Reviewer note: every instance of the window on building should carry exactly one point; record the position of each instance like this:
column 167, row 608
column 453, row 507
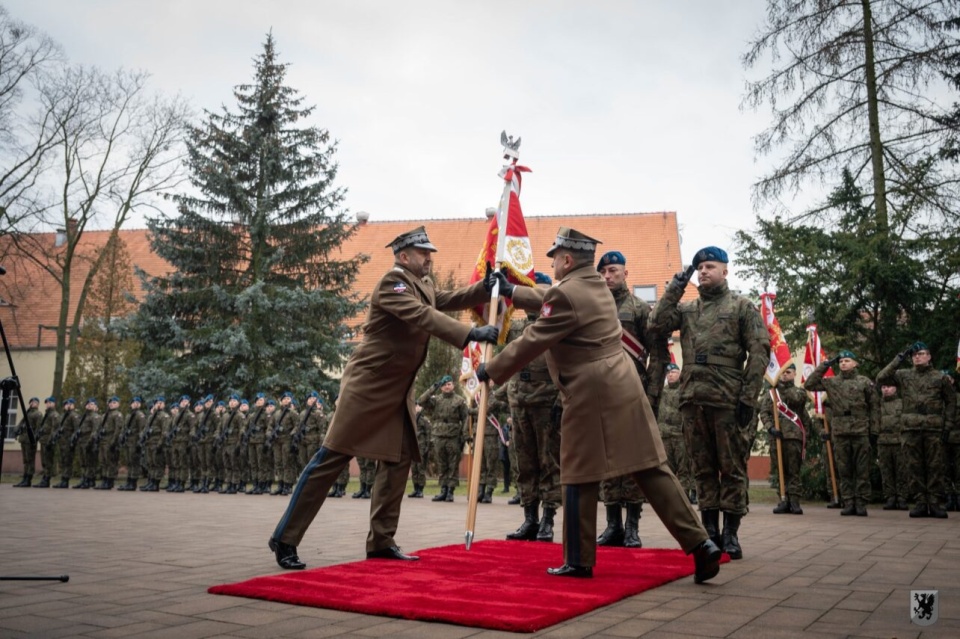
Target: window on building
column 647, row 293
column 9, row 417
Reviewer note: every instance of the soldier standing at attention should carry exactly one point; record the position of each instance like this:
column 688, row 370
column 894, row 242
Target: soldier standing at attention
column 951, row 455
column 607, row 428
column 375, row 410
column 448, row 412
column 180, row 436
column 490, row 462
column 671, row 432
column 26, row 434
column 130, row 452
column 281, row 437
column 794, row 424
column 418, row 470
column 83, row 442
column 890, row 456
column 310, row 431
column 254, row 436
column 854, row 416
column 203, row 442
column 368, row 471
column 535, row 437
column 108, row 438
column 48, row 457
column 229, row 438
column 63, row 437
column 726, row 350
column 929, row 410
column 152, row 444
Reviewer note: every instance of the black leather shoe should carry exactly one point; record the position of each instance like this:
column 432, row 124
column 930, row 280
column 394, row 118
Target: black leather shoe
column 706, row 560
column 566, row 570
column 393, row 552
column 286, row 555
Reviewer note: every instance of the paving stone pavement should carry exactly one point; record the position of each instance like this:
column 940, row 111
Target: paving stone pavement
column 139, row 566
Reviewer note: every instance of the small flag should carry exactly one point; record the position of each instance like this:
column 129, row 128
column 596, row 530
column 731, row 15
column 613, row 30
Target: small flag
column 780, row 356
column 812, row 357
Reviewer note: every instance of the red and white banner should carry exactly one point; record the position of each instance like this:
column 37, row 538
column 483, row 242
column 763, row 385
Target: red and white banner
column 811, row 359
column 468, row 368
column 780, row 356
column 673, row 356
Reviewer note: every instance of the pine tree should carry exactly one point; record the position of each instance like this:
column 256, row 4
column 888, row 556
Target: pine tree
column 256, row 300
column 100, row 354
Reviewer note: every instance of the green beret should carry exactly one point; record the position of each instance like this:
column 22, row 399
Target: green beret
column 848, row 355
column 921, row 346
column 445, row 380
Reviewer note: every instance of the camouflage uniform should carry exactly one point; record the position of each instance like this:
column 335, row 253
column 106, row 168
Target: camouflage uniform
column 203, row 438
column 490, row 462
column 254, row 437
column 929, row 410
column 425, row 441
column 951, row 463
column 63, row 436
column 310, row 432
column 179, row 443
column 83, row 443
column 670, row 422
column 890, row 454
column 854, row 416
column 717, row 333
column 368, row 472
column 284, row 458
column 448, row 412
column 109, row 439
column 151, row 443
column 48, row 457
column 233, row 424
column 793, row 439
column 130, row 453
column 28, row 446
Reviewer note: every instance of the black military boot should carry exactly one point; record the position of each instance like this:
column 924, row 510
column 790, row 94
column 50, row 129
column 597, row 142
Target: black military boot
column 506, row 485
column 278, row 490
column 529, row 529
column 417, row 492
column 934, row 510
column 834, row 504
column 287, row 489
column 890, row 504
column 255, row 488
column 29, row 480
column 795, row 508
column 44, row 482
column 143, row 488
column 480, row 491
column 711, row 523
column 367, row 494
column 613, row 534
column 449, row 495
column 154, row 486
column 217, row 485
column 952, row 503
column 861, row 508
column 783, row 508
column 22, row 482
column 545, row 531
column 222, row 490
column 359, row 493
column 513, row 501
column 902, row 504
column 706, row 561
column 731, row 544
column 194, row 485
column 849, row 509
column 64, row 483
column 102, row 485
column 631, row 527
column 127, row 486
column 205, row 486
column 82, row 484
column 487, row 496
column 233, row 488
column 442, row 495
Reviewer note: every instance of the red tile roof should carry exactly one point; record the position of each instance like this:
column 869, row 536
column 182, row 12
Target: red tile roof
column 30, row 298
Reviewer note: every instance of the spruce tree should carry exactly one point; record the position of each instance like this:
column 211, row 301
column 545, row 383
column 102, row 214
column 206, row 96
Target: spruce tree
column 257, row 300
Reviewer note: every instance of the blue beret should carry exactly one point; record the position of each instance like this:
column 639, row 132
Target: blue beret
column 710, row 254
column 920, row 346
column 136, row 398
column 34, row 399
column 672, row 367
column 184, row 397
column 69, row 400
column 542, row 278
column 160, row 398
column 221, row 403
column 114, row 399
column 287, row 394
column 92, row 400
column 198, row 404
column 848, row 355
column 51, row 399
column 244, row 401
column 446, row 379
column 208, row 398
column 235, row 396
column 259, row 396
column 271, row 402
column 313, row 394
column 611, row 257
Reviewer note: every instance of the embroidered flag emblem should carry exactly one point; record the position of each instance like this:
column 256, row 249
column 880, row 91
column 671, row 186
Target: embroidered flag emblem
column 546, row 310
column 399, row 287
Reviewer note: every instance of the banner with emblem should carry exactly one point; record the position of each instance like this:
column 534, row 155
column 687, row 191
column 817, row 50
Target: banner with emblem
column 811, row 359
column 508, row 243
column 780, row 356
column 468, row 369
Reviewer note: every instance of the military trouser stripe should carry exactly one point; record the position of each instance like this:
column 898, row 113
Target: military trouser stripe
column 571, row 524
column 304, row 507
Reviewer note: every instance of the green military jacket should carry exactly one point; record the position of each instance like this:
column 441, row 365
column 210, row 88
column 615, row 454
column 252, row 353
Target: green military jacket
column 531, row 386
column 232, row 428
column 669, row 418
column 48, row 425
column 68, row 426
column 257, row 424
column 634, row 315
column 726, row 347
column 158, row 423
column 110, row 428
column 87, row 427
column 312, row 425
column 424, row 431
column 33, row 418
column 133, row 426
column 795, row 399
column 183, row 426
column 285, row 421
column 891, row 412
column 854, row 403
column 929, row 401
column 207, row 426
column 449, row 414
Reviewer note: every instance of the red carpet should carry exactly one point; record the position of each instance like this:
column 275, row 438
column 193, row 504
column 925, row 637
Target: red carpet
column 501, row 585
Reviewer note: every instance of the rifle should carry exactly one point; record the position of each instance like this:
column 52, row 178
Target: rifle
column 297, row 436
column 43, row 421
column 202, row 430
column 245, row 438
column 272, row 437
column 221, row 438
column 125, row 433
column 75, row 439
column 145, row 435
column 168, row 440
column 59, row 432
column 98, row 437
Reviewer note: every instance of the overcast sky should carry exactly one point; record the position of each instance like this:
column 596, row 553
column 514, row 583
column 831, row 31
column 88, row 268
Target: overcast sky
column 622, row 106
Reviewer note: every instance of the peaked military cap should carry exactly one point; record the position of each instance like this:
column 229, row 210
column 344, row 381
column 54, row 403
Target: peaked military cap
column 848, row 355
column 611, row 257
column 573, row 240
column 710, row 254
column 416, row 238
column 542, row 278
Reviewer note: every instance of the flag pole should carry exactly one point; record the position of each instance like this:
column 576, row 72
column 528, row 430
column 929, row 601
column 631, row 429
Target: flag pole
column 775, row 398
column 814, row 349
column 510, row 154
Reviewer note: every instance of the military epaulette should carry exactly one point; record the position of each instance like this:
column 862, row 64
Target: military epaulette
column 397, row 268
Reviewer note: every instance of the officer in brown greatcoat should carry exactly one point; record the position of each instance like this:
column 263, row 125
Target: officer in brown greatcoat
column 607, row 428
column 375, row 410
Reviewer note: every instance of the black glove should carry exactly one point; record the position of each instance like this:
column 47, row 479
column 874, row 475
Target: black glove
column 834, row 361
column 775, row 433
column 682, row 278
column 825, row 437
column 904, row 354
column 743, row 414
column 484, row 334
column 491, row 278
column 482, row 373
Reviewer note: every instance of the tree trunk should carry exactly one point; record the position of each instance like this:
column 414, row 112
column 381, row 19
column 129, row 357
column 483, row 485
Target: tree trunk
column 876, row 144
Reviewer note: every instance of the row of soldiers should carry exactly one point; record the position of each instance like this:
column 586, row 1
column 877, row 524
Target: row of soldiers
column 202, row 446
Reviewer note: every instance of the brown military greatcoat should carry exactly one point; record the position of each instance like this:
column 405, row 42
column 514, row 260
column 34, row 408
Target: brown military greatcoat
column 376, row 391
column 607, row 428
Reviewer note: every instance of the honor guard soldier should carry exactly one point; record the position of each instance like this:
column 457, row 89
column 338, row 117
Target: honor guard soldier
column 418, row 471
column 889, row 453
column 535, row 438
column 48, row 451
column 62, row 438
column 671, row 432
column 26, row 435
column 179, row 441
column 207, row 427
column 375, row 409
column 929, row 411
column 130, row 452
column 726, row 350
column 854, row 417
column 233, row 424
column 311, row 429
column 151, row 443
column 448, row 412
column 108, row 442
column 794, row 422
column 84, row 443
column 608, row 428
column 285, row 467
